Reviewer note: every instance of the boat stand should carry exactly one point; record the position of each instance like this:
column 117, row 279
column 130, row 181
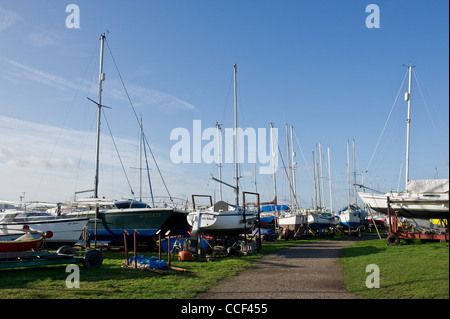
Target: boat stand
column 398, row 231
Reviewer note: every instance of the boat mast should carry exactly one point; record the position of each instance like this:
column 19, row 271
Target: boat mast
column 288, row 166
column 272, row 149
column 329, row 175
column 321, row 176
column 236, row 166
column 408, row 122
column 293, row 163
column 99, row 111
column 219, row 158
column 354, row 170
column 315, row 181
column 348, row 173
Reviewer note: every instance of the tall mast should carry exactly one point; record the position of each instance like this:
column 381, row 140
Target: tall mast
column 141, row 141
column 294, row 189
column 272, row 149
column 315, row 181
column 219, row 159
column 288, row 165
column 236, row 166
column 354, row 169
column 348, row 173
column 408, row 121
column 99, row 111
column 321, row 175
column 329, row 175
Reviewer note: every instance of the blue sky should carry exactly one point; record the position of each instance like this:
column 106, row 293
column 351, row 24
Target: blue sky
column 313, row 64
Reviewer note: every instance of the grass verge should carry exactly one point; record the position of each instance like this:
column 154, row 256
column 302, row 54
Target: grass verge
column 415, row 269
column 112, row 281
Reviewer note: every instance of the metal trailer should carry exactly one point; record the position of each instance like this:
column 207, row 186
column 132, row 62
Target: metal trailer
column 397, row 230
column 92, row 259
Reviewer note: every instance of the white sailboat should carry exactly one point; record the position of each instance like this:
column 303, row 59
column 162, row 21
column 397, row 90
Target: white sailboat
column 422, row 199
column 65, row 230
column 350, row 216
column 223, row 218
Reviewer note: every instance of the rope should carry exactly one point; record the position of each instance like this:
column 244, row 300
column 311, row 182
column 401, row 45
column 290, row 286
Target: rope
column 137, row 118
column 385, row 124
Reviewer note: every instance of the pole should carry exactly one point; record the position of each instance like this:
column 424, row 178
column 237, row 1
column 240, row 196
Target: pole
column 408, row 123
column 236, row 166
column 101, row 78
column 329, row 175
column 219, row 158
column 294, row 187
column 288, row 166
column 99, row 109
column 348, row 173
column 272, row 149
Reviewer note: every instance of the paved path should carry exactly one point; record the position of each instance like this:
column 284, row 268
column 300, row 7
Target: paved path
column 306, row 271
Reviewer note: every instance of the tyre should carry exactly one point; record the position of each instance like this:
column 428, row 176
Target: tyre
column 393, row 240
column 93, row 259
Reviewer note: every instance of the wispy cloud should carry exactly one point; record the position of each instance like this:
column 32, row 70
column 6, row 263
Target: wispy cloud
column 141, row 96
column 7, row 19
column 18, row 71
column 51, row 163
column 44, row 38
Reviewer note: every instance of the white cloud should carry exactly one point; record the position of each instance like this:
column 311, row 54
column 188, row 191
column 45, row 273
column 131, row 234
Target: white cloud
column 140, row 96
column 50, row 164
column 20, row 71
column 44, row 38
column 7, row 19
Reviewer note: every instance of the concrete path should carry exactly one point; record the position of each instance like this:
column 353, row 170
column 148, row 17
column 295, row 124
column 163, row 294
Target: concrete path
column 306, row 271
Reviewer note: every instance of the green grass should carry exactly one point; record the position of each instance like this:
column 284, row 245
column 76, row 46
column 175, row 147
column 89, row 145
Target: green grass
column 113, row 281
column 413, row 270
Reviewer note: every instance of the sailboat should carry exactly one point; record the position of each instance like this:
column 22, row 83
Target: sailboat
column 66, row 230
column 422, row 199
column 351, row 215
column 110, row 219
column 224, row 218
column 319, row 219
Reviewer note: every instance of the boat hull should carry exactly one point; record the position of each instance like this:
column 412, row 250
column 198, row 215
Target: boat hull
column 225, row 223
column 65, row 230
column 349, row 218
column 10, row 245
column 293, row 220
column 319, row 221
column 421, row 206
column 112, row 224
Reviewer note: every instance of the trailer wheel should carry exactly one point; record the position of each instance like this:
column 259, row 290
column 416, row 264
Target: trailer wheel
column 93, row 259
column 393, row 240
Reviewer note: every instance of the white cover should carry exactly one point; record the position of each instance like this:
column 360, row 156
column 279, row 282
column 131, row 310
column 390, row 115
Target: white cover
column 428, row 186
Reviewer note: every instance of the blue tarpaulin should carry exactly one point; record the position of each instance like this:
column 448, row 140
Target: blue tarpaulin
column 153, row 262
column 271, row 208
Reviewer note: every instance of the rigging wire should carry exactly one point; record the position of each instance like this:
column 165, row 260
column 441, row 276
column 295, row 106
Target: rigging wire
column 419, row 84
column 118, row 154
column 385, row 124
column 137, row 118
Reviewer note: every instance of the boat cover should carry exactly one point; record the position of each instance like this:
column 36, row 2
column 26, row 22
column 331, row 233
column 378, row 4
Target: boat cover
column 428, row 186
column 153, row 262
column 271, row 208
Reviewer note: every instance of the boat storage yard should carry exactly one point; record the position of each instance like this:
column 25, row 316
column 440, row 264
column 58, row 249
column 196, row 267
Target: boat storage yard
column 241, row 185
